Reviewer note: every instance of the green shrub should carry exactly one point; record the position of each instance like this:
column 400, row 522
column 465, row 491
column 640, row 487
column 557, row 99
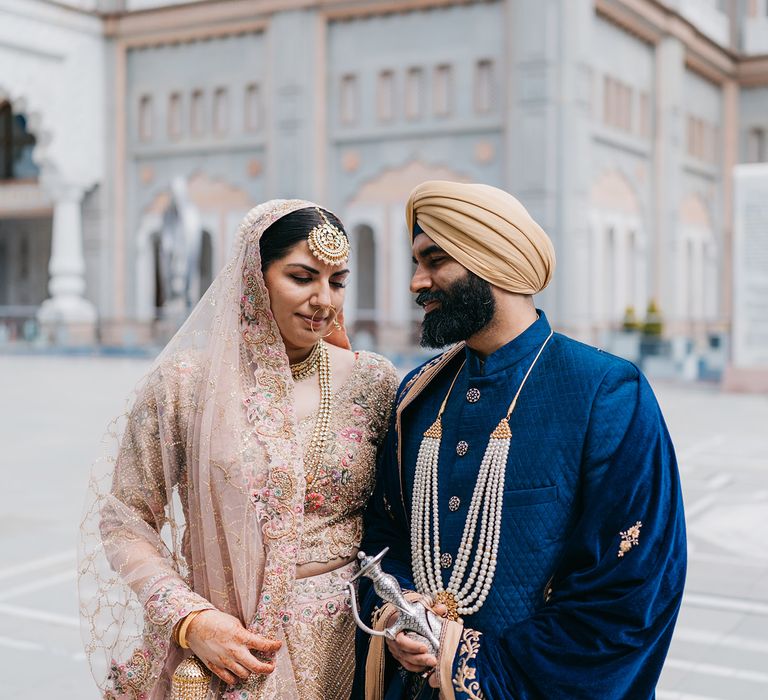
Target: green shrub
column 654, row 325
column 630, row 322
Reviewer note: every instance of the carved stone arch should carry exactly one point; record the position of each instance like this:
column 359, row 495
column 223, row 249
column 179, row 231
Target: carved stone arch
column 219, row 205
column 394, row 184
column 218, row 202
column 612, row 191
column 618, row 262
column 695, row 213
column 37, row 125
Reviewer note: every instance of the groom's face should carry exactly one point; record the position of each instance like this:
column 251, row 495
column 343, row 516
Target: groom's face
column 457, row 303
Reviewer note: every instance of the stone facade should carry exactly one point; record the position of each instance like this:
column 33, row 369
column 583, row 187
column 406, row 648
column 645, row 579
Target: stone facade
column 617, row 123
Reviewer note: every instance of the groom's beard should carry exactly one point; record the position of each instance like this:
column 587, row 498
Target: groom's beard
column 466, row 307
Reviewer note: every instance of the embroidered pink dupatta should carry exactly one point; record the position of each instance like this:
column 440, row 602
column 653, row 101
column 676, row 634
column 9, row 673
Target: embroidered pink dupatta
column 200, row 501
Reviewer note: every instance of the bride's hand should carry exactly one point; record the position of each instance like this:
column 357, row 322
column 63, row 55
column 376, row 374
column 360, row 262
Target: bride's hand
column 221, row 642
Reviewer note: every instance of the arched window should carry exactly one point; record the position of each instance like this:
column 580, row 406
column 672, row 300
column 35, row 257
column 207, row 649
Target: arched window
column 485, row 88
column 385, row 96
column 414, row 93
column 16, row 146
column 348, row 99
column 252, row 108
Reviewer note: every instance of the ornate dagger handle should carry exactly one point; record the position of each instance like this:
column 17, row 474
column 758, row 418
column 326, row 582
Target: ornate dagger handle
column 413, row 617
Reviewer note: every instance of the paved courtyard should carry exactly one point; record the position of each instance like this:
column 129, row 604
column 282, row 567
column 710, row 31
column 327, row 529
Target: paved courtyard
column 54, row 410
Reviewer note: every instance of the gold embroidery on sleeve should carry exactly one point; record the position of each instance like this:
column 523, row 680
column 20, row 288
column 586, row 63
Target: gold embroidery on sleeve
column 464, row 680
column 629, row 538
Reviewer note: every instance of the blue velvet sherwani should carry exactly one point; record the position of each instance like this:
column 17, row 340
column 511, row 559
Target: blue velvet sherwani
column 571, row 613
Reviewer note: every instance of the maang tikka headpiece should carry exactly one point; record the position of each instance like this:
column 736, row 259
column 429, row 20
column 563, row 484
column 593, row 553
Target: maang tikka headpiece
column 327, row 243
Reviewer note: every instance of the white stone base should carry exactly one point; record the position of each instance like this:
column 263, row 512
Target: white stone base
column 68, row 321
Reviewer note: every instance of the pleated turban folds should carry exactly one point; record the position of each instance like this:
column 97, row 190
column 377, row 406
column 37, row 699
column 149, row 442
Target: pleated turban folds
column 486, row 230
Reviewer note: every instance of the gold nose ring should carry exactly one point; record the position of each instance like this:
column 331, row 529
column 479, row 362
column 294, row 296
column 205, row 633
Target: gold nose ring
column 335, row 321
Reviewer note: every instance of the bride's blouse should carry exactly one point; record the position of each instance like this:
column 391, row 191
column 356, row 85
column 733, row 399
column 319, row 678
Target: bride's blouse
column 337, row 492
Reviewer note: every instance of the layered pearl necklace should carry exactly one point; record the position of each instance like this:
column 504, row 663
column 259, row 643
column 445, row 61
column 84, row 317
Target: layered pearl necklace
column 461, row 597
column 317, row 361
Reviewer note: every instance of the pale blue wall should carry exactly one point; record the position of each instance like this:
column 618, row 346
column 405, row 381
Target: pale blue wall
column 632, row 61
column 231, row 63
column 457, row 36
column 703, row 98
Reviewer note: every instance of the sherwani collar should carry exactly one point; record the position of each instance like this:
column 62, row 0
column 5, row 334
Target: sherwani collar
column 507, row 356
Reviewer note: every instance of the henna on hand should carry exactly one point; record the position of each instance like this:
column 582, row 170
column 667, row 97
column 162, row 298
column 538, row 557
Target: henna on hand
column 226, row 647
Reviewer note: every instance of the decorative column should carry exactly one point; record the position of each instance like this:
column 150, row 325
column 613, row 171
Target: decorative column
column 548, row 141
column 67, row 315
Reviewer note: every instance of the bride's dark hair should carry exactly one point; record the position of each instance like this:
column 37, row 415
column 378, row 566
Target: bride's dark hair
column 289, row 230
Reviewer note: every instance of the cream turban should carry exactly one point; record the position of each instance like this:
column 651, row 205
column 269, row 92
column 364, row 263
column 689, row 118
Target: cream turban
column 485, row 229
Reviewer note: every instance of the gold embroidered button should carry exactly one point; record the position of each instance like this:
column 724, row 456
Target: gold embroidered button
column 453, row 503
column 446, row 560
column 473, row 395
column 461, row 448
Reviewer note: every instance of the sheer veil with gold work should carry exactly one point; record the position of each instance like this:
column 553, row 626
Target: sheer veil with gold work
column 199, row 500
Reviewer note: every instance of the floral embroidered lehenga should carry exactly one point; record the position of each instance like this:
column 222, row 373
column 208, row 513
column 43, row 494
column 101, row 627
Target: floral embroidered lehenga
column 205, row 502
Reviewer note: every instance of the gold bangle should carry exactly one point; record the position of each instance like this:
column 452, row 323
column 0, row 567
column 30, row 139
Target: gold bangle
column 183, row 628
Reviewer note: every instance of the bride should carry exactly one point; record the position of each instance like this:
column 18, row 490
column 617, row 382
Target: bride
column 227, row 520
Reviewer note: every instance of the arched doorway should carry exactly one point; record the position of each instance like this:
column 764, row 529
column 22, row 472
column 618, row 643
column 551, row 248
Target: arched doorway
column 618, row 265
column 698, row 285
column 184, row 238
column 205, row 263
column 364, row 265
column 205, row 274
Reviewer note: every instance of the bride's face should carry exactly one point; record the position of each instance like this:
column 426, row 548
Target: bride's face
column 301, row 288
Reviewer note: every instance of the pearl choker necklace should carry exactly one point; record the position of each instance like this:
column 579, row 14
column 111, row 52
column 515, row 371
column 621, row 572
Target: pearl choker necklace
column 308, row 366
column 486, row 507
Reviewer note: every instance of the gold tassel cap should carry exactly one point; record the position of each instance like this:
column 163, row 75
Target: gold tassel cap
column 502, row 431
column 190, row 680
column 435, row 431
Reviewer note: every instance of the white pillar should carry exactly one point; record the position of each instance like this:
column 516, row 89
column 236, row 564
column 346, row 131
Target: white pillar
column 67, row 308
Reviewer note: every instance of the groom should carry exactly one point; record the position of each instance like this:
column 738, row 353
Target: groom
column 527, row 485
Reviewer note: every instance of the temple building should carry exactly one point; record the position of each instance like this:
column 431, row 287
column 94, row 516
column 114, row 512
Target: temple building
column 135, row 134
